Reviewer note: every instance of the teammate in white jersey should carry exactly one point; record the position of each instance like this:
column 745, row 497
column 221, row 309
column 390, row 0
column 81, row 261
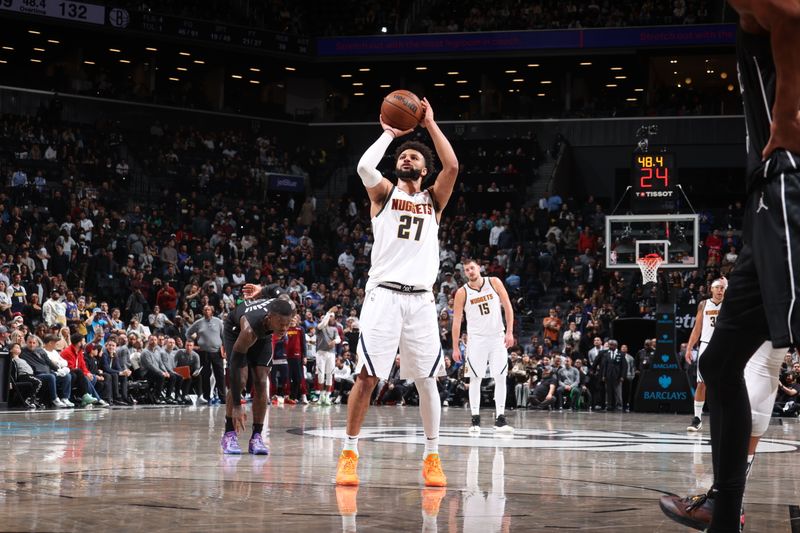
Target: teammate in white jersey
column 480, row 299
column 399, row 309
column 704, row 323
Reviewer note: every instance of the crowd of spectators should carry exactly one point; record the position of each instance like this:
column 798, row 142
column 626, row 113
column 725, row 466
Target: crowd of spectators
column 74, row 252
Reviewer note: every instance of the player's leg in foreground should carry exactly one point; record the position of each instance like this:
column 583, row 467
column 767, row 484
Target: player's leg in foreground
column 761, row 377
column 430, row 409
column 357, row 406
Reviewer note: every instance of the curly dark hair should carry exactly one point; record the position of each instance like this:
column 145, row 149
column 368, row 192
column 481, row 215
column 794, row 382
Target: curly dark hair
column 422, row 148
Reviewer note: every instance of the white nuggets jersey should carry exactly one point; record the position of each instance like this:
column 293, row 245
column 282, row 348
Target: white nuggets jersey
column 710, row 312
column 406, row 248
column 482, row 310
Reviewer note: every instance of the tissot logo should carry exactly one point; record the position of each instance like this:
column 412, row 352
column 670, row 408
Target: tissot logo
column 610, row 441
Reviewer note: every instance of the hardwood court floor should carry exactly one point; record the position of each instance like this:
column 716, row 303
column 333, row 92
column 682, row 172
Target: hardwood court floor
column 160, row 469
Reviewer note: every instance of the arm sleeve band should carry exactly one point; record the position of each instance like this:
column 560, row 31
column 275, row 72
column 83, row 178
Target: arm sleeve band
column 368, row 164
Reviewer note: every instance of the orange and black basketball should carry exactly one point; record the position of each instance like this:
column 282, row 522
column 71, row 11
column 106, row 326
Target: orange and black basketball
column 402, row 110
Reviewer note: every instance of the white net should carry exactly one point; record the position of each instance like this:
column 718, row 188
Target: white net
column 649, row 266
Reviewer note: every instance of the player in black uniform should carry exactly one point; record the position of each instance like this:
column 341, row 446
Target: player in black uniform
column 247, row 337
column 761, row 302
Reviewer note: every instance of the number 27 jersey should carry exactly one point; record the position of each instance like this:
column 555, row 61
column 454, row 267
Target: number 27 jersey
column 406, row 247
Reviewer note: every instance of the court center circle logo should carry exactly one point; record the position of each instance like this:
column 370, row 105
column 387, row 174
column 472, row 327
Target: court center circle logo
column 553, row 439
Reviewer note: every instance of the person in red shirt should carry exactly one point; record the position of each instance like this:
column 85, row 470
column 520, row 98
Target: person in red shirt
column 73, row 355
column 167, row 300
column 295, row 354
column 587, row 241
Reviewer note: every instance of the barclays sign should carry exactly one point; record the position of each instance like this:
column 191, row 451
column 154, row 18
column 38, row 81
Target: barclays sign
column 664, row 381
column 665, row 363
column 664, row 390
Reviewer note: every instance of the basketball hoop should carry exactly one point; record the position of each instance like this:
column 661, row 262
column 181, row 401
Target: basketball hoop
column 649, row 266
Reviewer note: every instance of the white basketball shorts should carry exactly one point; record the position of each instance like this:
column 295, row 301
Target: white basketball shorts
column 391, row 320
column 486, row 350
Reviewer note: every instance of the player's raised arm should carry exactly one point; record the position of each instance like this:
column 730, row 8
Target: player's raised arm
column 508, row 310
column 458, row 311
column 378, row 187
column 442, row 189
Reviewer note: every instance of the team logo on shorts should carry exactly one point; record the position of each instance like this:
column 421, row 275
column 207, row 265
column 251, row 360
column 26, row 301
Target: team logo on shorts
column 553, row 439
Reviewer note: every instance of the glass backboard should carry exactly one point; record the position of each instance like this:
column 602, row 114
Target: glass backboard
column 673, row 237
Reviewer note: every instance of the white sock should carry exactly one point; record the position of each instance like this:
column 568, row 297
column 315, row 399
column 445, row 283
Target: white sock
column 351, row 444
column 698, row 408
column 475, row 395
column 431, row 411
column 500, row 395
column 431, row 446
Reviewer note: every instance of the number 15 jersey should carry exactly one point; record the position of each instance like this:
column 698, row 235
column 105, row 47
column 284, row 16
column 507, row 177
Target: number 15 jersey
column 406, row 247
column 482, row 310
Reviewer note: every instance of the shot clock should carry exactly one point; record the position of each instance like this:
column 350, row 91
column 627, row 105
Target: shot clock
column 654, row 176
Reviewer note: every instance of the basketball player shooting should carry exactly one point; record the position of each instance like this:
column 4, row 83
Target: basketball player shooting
column 247, row 336
column 480, row 299
column 704, row 323
column 760, row 313
column 399, row 309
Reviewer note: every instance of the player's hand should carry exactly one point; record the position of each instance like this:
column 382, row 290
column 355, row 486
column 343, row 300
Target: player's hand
column 394, row 131
column 239, row 417
column 784, row 133
column 688, row 356
column 456, row 355
column 427, row 118
column 509, row 339
column 251, row 290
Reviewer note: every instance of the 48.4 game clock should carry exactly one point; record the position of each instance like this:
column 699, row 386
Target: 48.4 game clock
column 654, row 177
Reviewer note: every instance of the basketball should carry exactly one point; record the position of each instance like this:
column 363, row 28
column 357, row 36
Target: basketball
column 402, row 110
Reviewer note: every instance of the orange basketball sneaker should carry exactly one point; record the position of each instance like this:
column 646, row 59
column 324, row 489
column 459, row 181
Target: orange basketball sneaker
column 432, row 471
column 346, row 469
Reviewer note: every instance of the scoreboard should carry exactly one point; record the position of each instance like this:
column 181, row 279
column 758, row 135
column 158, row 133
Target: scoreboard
column 654, row 177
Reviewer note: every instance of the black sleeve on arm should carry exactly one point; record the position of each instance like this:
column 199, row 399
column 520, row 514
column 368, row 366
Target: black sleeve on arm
column 272, row 290
column 237, row 360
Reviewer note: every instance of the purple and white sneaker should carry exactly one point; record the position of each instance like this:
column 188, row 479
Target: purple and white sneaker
column 230, row 444
column 257, row 446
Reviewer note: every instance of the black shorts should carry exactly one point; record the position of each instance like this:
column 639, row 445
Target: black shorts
column 764, row 287
column 259, row 354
